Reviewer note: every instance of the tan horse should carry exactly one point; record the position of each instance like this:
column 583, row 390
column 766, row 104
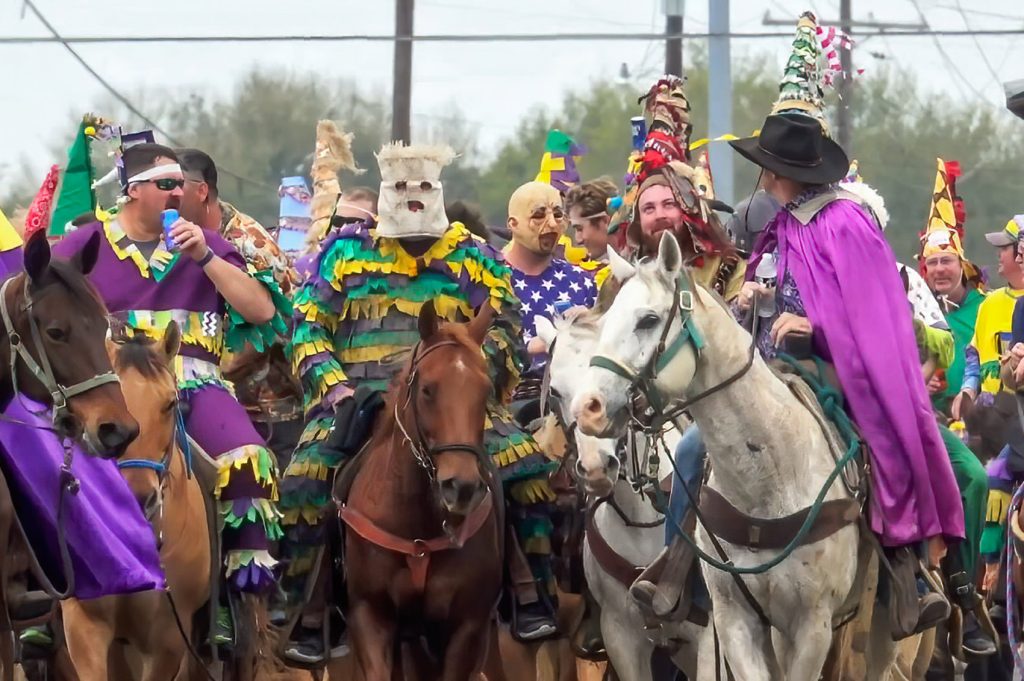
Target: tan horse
column 173, row 500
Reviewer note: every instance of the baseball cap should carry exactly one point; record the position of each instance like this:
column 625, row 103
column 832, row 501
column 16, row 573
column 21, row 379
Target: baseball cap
column 1009, row 234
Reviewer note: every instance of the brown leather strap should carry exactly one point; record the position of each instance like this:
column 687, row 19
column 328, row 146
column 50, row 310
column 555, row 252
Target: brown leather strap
column 622, row 570
column 417, row 551
column 727, row 522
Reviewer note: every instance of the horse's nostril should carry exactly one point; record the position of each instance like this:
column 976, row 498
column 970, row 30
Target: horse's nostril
column 594, row 406
column 115, row 437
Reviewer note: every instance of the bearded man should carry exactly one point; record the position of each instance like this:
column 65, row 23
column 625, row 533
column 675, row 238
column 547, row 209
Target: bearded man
column 360, row 306
column 674, row 194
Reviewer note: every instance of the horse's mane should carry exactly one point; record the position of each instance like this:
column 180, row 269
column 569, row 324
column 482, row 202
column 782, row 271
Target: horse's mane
column 138, row 352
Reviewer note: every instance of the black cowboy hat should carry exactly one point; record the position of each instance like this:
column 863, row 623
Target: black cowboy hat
column 795, row 147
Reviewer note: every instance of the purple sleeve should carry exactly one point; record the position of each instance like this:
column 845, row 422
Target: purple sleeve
column 74, row 241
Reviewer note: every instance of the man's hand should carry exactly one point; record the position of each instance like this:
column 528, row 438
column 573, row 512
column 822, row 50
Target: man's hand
column 788, row 323
column 190, row 238
column 935, row 384
column 956, row 408
column 746, row 297
column 991, row 579
column 536, row 346
column 1016, row 355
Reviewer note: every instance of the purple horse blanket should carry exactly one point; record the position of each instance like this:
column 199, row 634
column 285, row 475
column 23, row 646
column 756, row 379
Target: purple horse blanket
column 113, row 549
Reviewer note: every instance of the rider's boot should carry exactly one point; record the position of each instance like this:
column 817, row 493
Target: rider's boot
column 587, row 642
column 915, row 606
column 306, row 644
column 224, row 632
column 660, row 590
column 533, row 613
column 976, row 640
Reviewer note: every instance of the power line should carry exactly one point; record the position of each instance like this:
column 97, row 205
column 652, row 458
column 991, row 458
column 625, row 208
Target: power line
column 949, row 61
column 479, row 37
column 124, row 100
column 977, row 43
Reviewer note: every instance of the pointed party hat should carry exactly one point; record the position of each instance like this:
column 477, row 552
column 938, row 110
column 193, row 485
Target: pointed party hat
column 38, row 216
column 944, row 230
column 801, row 86
column 558, row 164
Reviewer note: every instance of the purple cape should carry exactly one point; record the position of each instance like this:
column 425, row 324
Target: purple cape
column 113, row 549
column 846, row 275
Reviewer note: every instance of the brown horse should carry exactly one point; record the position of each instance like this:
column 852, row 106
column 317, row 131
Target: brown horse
column 53, row 347
column 157, row 473
column 423, row 551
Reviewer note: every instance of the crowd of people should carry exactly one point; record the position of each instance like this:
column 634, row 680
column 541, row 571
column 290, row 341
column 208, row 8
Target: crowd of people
column 289, row 341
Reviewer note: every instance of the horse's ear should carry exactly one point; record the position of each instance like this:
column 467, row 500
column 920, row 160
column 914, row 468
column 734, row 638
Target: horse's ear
column 37, row 255
column 621, row 269
column 428, row 321
column 171, row 342
column 670, row 258
column 545, row 330
column 481, row 323
column 85, row 259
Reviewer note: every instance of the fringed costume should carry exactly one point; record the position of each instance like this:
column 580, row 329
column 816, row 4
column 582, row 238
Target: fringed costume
column 147, row 294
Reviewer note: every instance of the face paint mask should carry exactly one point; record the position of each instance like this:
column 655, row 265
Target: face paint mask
column 411, row 200
column 536, row 217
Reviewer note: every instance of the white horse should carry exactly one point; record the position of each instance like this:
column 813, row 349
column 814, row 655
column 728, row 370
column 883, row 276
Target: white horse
column 622, row 625
column 769, row 456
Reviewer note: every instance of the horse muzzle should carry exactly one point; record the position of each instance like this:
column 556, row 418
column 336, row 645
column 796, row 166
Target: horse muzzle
column 460, row 497
column 593, row 418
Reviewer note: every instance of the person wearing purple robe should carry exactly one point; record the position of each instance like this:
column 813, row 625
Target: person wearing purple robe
column 194, row 277
column 846, row 294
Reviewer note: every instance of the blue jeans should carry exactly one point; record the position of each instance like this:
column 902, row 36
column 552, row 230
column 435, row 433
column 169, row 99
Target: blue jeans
column 690, row 455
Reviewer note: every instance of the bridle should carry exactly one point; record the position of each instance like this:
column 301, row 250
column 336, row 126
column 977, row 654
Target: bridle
column 42, row 370
column 421, row 449
column 161, row 467
column 641, row 474
column 643, row 379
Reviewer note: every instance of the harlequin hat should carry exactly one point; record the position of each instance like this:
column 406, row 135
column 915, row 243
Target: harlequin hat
column 944, row 228
column 558, row 164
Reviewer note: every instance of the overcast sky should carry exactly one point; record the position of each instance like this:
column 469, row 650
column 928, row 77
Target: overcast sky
column 492, row 83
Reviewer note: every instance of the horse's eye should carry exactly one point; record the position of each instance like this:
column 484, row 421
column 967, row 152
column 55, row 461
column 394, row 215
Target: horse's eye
column 169, row 407
column 57, row 334
column 647, row 322
column 428, row 392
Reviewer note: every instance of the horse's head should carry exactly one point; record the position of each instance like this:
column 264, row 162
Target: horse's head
column 597, row 464
column 648, row 339
column 56, row 326
column 147, row 379
column 443, row 406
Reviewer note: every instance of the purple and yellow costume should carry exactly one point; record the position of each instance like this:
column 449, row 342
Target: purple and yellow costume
column 147, row 294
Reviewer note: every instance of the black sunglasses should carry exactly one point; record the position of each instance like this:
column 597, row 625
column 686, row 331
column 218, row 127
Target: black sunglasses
column 167, row 184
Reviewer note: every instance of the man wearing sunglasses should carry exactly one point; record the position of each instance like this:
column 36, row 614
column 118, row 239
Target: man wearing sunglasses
column 197, row 280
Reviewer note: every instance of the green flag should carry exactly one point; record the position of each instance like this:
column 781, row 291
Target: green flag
column 76, row 195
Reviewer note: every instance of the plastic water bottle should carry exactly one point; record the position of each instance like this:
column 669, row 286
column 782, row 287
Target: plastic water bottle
column 170, row 216
column 766, row 274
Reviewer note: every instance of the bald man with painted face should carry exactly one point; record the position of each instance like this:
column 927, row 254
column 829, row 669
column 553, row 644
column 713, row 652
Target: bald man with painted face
column 543, row 283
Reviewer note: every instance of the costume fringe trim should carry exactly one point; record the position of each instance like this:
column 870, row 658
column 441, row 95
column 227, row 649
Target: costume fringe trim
column 256, row 457
column 237, row 512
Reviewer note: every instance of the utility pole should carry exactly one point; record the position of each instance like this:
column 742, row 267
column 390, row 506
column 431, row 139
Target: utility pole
column 720, row 98
column 401, row 100
column 844, row 130
column 674, row 11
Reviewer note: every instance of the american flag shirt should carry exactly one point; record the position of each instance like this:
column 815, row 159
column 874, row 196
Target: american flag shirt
column 561, row 281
